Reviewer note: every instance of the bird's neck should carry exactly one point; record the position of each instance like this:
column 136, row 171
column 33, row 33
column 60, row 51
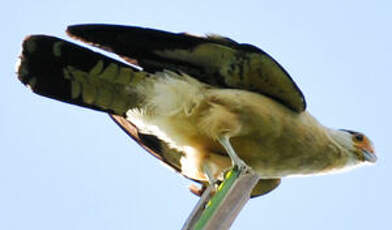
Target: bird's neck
column 339, row 149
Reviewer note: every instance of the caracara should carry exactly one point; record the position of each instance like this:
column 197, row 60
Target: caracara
column 199, row 104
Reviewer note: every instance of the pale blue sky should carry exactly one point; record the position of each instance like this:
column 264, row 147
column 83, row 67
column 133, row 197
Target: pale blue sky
column 65, row 167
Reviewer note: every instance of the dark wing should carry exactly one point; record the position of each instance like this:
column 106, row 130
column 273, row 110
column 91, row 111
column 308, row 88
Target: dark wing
column 58, row 69
column 218, row 61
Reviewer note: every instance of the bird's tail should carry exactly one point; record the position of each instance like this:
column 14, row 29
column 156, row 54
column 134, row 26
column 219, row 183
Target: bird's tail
column 61, row 70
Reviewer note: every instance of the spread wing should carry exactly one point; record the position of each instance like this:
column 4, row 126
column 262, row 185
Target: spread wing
column 215, row 60
column 61, row 70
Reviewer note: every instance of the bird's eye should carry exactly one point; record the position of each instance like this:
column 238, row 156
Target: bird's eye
column 358, row 137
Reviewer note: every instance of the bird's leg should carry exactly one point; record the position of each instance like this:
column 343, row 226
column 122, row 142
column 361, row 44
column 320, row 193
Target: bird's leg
column 236, row 161
column 210, row 177
column 206, row 191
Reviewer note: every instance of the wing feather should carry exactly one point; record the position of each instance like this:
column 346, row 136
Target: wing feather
column 218, row 61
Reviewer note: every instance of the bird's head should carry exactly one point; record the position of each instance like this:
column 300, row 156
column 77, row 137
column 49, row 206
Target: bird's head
column 360, row 148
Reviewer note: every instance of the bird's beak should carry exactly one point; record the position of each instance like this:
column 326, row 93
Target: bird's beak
column 369, row 156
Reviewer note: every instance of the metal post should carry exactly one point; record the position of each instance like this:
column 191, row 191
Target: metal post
column 219, row 211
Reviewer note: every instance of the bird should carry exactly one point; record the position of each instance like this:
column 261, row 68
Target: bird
column 200, row 104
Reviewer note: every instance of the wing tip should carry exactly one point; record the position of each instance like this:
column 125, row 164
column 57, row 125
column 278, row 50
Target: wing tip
column 87, row 33
column 31, row 62
column 75, row 32
column 22, row 64
column 30, row 50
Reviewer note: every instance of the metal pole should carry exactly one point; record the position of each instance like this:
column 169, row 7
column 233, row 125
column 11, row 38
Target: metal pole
column 219, row 211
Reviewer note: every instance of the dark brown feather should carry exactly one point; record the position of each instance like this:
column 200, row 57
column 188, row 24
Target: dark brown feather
column 232, row 65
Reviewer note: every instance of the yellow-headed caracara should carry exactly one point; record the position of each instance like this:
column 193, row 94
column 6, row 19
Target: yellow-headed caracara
column 199, row 104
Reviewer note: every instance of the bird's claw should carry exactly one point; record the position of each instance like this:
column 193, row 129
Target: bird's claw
column 240, row 165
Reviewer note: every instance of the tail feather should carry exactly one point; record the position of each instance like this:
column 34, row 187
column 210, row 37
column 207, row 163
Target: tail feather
column 61, row 70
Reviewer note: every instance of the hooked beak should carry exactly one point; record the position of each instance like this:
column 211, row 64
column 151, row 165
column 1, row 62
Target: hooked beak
column 369, row 156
